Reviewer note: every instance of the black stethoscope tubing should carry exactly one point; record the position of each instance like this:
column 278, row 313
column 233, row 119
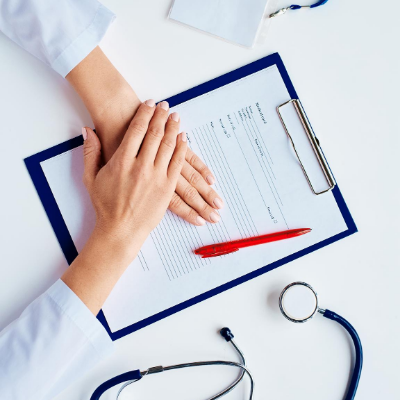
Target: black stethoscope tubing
column 133, row 376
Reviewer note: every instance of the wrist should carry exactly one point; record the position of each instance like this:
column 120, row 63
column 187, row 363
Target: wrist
column 110, row 100
column 119, row 239
column 99, row 266
column 112, row 117
column 102, row 88
column 116, row 107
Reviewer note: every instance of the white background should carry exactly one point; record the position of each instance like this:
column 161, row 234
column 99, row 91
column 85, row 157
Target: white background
column 344, row 61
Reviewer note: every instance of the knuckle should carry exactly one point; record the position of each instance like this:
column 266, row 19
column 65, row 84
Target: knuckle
column 203, row 170
column 175, row 202
column 89, row 151
column 139, row 125
column 168, row 143
column 192, row 159
column 143, row 168
column 194, row 178
column 177, row 162
column 121, row 162
column 155, row 132
column 190, row 193
column 196, row 163
column 206, row 208
column 191, row 215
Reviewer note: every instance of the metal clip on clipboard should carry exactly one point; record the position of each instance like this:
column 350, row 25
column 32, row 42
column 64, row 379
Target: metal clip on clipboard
column 314, row 144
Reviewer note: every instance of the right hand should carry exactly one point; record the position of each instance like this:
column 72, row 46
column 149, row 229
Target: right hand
column 194, row 199
column 131, row 193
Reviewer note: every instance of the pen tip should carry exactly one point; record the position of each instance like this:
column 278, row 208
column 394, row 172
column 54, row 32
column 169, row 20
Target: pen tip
column 304, row 231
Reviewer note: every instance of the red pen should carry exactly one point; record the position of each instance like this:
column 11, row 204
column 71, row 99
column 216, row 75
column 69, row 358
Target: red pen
column 220, row 249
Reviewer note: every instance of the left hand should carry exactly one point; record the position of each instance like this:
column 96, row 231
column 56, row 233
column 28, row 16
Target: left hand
column 194, row 200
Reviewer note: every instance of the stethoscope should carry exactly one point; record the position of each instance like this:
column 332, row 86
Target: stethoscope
column 298, row 303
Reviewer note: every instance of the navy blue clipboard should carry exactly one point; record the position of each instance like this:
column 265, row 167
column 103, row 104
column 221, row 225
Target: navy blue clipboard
column 65, row 240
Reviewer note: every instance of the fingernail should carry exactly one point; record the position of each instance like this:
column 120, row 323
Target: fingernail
column 164, row 105
column 175, row 116
column 150, row 103
column 214, row 217
column 200, row 221
column 210, row 179
column 218, row 203
column 183, row 136
column 84, row 133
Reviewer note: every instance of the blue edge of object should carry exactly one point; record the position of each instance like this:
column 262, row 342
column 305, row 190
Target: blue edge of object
column 319, row 3
column 67, row 244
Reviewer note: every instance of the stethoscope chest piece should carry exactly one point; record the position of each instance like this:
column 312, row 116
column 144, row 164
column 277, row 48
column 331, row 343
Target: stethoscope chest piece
column 298, row 302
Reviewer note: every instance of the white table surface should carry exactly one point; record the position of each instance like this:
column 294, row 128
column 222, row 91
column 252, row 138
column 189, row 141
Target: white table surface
column 344, row 62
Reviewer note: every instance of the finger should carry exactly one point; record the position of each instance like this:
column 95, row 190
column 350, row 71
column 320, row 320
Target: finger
column 200, row 167
column 91, row 156
column 178, row 158
column 181, row 209
column 168, row 142
column 193, row 199
column 137, row 129
column 155, row 133
column 197, row 181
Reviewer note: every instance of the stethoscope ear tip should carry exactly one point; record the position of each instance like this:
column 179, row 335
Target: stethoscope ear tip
column 227, row 334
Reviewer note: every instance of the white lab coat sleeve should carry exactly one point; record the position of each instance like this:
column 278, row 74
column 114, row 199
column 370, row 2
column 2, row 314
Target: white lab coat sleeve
column 60, row 33
column 55, row 341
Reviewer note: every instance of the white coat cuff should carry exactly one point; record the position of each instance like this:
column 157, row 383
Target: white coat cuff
column 73, row 307
column 85, row 42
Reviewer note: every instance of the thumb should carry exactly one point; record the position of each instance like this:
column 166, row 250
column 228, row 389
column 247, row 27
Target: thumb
column 91, row 156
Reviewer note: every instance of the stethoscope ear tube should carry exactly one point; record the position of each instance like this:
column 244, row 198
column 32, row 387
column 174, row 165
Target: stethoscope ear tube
column 355, row 378
column 126, row 377
column 134, row 376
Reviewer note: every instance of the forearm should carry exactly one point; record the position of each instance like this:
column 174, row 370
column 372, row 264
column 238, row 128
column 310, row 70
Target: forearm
column 99, row 266
column 110, row 100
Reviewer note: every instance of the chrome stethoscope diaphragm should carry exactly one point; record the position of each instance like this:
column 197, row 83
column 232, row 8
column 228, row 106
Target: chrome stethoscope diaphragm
column 298, row 302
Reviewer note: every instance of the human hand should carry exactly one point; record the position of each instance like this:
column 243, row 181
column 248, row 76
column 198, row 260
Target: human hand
column 194, row 199
column 131, row 193
column 112, row 103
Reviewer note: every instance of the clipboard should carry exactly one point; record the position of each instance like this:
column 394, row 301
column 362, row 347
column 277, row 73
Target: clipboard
column 68, row 247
